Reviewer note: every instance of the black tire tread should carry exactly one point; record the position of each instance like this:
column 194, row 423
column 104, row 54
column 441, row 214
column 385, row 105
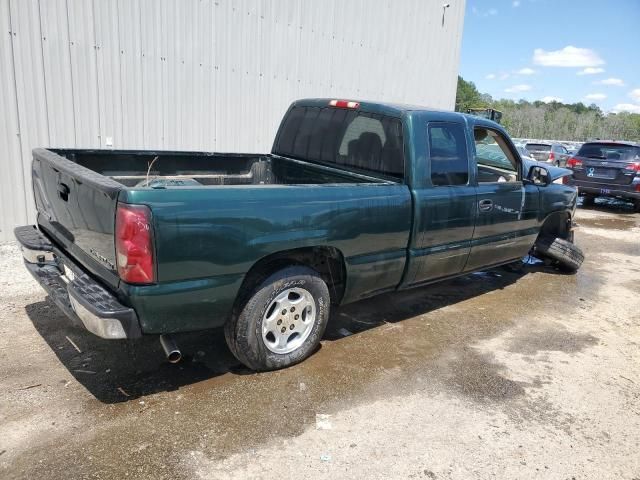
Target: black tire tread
column 565, row 253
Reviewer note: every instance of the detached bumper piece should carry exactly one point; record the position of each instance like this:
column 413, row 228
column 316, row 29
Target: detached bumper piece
column 81, row 298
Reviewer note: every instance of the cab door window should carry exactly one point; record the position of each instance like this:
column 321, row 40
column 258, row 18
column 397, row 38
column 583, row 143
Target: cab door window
column 494, row 159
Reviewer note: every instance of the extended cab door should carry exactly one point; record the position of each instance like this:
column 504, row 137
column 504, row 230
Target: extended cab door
column 444, row 202
column 506, row 213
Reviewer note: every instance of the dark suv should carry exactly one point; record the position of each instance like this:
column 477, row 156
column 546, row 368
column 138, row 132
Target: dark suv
column 607, row 169
column 553, row 153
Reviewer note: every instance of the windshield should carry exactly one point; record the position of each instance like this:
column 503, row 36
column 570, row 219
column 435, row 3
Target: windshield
column 610, row 151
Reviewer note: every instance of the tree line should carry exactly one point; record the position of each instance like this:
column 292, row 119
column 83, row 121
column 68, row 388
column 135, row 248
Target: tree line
column 554, row 120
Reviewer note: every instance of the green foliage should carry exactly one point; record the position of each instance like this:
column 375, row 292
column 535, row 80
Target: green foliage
column 468, row 96
column 554, row 120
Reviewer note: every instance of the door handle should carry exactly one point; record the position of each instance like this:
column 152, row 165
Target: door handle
column 485, row 205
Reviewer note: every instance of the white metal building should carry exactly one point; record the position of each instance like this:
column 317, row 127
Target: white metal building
column 202, row 74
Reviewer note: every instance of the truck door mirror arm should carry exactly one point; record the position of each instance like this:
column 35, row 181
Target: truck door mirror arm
column 538, row 176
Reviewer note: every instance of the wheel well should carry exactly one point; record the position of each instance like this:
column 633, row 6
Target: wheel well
column 558, row 224
column 327, row 261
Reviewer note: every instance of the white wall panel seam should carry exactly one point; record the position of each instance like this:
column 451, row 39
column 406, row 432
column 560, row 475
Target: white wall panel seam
column 18, row 133
column 94, row 41
column 73, row 97
column 44, row 73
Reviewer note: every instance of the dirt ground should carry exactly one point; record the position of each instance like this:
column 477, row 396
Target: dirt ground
column 531, row 374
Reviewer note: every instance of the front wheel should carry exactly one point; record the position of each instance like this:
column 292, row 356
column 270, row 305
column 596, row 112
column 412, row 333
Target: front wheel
column 566, row 254
column 282, row 321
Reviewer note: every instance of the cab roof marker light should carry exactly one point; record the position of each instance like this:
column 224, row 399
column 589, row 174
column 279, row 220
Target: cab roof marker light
column 344, row 104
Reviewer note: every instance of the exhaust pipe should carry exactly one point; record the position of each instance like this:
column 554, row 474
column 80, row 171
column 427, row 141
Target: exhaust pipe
column 170, row 348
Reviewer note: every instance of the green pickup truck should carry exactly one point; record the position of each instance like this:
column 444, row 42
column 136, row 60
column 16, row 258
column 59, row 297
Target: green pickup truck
column 355, row 199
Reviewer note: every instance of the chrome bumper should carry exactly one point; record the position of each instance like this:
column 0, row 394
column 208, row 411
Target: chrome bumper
column 80, row 297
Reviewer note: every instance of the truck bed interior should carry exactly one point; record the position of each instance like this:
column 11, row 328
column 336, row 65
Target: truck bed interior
column 192, row 169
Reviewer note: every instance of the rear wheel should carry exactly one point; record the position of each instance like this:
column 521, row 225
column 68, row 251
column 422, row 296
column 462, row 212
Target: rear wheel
column 282, row 321
column 564, row 253
column 588, row 200
column 636, row 205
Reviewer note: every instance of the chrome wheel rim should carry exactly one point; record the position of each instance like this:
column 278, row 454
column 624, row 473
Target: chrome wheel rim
column 288, row 320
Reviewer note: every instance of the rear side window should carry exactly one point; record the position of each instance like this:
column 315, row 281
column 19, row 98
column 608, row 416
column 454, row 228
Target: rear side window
column 448, row 154
column 345, row 137
column 609, row 151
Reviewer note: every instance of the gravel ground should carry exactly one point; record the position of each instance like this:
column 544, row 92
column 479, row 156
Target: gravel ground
column 500, row 374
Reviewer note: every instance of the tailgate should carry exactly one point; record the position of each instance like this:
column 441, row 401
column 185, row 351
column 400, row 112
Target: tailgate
column 602, row 171
column 538, row 151
column 76, row 208
column 540, row 156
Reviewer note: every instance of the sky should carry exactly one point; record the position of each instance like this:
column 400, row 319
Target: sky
column 568, row 50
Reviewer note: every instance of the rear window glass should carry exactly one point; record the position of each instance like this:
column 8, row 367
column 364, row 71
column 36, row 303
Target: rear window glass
column 344, row 137
column 538, row 147
column 609, row 151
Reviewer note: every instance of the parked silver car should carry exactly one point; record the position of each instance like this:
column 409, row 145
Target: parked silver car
column 553, row 153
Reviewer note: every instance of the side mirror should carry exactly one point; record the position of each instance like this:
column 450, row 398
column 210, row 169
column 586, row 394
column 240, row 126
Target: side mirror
column 539, row 176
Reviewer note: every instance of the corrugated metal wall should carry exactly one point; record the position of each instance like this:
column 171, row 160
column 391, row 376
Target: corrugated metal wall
column 202, row 74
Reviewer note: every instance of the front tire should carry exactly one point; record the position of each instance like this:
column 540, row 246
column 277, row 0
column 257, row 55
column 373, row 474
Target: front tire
column 282, row 321
column 566, row 254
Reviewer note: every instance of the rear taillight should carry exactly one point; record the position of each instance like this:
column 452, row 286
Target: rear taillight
column 134, row 244
column 574, row 162
column 634, row 167
column 565, row 179
column 344, row 104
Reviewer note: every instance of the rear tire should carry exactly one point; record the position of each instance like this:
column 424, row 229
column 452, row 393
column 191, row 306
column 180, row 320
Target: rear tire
column 564, row 253
column 282, row 321
column 588, row 200
column 636, row 205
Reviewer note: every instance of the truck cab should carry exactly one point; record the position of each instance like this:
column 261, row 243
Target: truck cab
column 472, row 203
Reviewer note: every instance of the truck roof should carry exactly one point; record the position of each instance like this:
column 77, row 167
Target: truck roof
column 392, row 109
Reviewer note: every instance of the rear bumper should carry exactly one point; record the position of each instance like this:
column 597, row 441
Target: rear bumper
column 608, row 190
column 82, row 299
column 602, row 188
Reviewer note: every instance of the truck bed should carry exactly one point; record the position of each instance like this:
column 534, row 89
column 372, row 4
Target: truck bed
column 77, row 193
column 195, row 169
